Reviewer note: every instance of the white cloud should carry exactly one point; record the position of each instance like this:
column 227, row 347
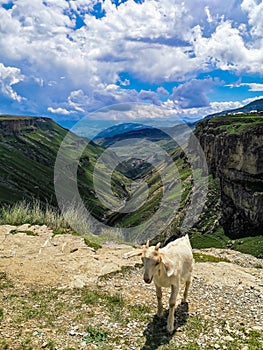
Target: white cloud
column 226, row 49
column 255, row 87
column 248, row 100
column 193, row 93
column 154, row 41
column 251, row 86
column 10, row 76
column 208, row 14
column 133, row 112
column 59, row 110
column 162, row 91
column 254, row 10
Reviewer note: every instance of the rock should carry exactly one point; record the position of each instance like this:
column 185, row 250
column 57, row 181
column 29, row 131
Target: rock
column 228, row 338
column 236, row 158
column 73, row 250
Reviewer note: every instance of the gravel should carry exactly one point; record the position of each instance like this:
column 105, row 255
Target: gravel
column 224, row 309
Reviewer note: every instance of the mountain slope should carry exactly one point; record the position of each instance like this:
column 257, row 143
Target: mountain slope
column 166, row 137
column 28, row 150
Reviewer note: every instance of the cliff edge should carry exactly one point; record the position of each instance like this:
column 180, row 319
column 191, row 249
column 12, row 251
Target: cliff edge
column 233, row 146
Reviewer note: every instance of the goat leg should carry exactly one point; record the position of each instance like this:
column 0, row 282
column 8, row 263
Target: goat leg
column 159, row 300
column 187, row 285
column 172, row 302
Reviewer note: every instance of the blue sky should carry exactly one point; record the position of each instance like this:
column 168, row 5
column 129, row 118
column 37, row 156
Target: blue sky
column 68, row 58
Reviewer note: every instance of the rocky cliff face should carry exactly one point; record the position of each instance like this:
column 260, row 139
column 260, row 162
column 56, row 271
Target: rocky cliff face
column 233, row 147
column 17, row 125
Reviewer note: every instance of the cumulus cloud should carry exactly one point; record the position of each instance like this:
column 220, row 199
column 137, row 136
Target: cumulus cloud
column 226, row 49
column 254, row 10
column 134, row 112
column 10, row 76
column 162, row 91
column 155, row 42
column 59, row 110
column 193, row 93
column 152, row 96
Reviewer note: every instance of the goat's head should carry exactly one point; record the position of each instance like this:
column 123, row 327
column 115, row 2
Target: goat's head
column 152, row 259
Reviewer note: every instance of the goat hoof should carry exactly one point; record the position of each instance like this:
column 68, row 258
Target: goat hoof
column 170, row 329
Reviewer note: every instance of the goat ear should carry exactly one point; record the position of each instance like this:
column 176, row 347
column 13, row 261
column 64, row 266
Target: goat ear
column 147, row 244
column 157, row 246
column 168, row 264
column 132, row 253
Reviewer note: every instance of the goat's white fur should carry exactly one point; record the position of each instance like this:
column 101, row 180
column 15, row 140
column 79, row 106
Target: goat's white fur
column 167, row 267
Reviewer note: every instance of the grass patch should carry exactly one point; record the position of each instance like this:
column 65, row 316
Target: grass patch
column 217, row 239
column 39, row 305
column 200, row 257
column 27, row 344
column 249, row 245
column 27, row 232
column 4, row 344
column 35, row 213
column 252, row 340
column 32, row 213
column 91, row 244
column 208, row 240
column 119, row 310
column 139, row 312
column 92, row 296
column 95, row 335
column 196, row 325
column 4, row 281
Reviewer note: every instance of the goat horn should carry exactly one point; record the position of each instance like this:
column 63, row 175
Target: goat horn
column 157, row 246
column 132, row 253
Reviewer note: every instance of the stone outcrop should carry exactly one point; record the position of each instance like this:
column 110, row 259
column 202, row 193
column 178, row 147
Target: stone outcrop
column 234, row 153
column 16, row 125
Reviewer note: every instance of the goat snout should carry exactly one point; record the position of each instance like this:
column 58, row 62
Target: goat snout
column 147, row 280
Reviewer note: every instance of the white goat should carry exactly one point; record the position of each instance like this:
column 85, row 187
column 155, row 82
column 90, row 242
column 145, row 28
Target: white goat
column 167, row 267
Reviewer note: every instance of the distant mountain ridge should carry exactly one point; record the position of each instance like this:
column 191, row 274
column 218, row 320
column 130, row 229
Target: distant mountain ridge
column 254, row 106
column 129, row 131
column 120, row 129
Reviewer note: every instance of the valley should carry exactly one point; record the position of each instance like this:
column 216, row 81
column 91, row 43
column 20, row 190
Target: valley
column 231, row 215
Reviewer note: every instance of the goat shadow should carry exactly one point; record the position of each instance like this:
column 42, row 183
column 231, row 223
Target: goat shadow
column 156, row 333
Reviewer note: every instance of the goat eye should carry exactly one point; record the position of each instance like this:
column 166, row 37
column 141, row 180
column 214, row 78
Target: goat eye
column 157, row 263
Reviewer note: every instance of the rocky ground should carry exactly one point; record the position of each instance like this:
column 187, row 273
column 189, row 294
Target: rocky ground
column 57, row 293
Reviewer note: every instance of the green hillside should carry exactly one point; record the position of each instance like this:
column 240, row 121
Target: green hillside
column 28, row 151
